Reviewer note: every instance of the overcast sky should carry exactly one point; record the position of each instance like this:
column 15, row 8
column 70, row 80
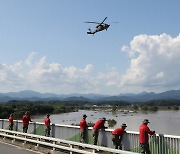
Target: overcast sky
column 44, row 46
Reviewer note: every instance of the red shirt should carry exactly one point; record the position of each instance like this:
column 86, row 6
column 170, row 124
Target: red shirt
column 99, row 124
column 11, row 119
column 83, row 124
column 26, row 119
column 47, row 121
column 118, row 132
column 143, row 133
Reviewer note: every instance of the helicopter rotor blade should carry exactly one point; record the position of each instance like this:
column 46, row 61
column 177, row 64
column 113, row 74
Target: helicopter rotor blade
column 103, row 20
column 92, row 22
column 115, row 22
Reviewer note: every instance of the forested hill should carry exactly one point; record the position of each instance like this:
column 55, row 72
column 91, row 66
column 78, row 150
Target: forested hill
column 140, row 97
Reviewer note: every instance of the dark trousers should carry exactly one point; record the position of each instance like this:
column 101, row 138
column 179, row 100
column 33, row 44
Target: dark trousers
column 83, row 134
column 47, row 131
column 116, row 142
column 145, row 148
column 25, row 128
column 95, row 136
column 11, row 126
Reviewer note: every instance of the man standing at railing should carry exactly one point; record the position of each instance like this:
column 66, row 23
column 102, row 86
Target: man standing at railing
column 26, row 119
column 83, row 129
column 11, row 123
column 143, row 137
column 47, row 123
column 117, row 136
column 98, row 125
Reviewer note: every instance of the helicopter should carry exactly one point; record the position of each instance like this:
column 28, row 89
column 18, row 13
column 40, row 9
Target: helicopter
column 100, row 27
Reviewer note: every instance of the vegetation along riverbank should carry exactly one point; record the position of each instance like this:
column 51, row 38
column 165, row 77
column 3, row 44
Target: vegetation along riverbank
column 18, row 107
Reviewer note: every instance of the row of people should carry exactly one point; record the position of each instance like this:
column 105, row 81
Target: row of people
column 25, row 123
column 117, row 134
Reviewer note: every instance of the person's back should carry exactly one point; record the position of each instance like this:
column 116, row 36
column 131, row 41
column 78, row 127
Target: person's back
column 99, row 124
column 144, row 131
column 83, row 124
column 117, row 136
column 11, row 122
column 118, row 131
column 26, row 119
column 83, row 129
column 10, row 119
column 47, row 123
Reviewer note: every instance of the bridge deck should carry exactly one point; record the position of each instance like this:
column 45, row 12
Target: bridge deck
column 12, row 149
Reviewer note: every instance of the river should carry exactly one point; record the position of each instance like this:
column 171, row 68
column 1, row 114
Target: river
column 163, row 122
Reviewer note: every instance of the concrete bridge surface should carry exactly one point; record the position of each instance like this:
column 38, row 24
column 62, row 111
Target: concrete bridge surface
column 6, row 148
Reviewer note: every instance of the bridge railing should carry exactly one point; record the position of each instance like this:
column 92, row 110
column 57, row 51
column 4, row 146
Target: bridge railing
column 58, row 144
column 159, row 143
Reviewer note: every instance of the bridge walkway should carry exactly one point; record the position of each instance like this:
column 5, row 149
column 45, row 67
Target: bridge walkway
column 49, row 145
column 6, row 148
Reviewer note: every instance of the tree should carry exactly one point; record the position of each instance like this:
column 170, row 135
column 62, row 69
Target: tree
column 111, row 122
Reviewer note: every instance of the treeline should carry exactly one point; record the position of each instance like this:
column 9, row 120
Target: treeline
column 164, row 102
column 18, row 108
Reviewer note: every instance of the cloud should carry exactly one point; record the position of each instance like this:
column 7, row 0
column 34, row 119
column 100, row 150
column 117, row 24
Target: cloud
column 37, row 74
column 154, row 63
column 154, row 66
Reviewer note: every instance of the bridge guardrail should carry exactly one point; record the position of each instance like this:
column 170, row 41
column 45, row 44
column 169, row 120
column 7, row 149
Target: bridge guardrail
column 159, row 143
column 70, row 145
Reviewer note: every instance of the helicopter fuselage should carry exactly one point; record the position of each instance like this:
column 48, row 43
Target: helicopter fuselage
column 100, row 27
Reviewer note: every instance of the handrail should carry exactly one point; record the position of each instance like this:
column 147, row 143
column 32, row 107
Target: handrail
column 161, row 143
column 71, row 144
column 109, row 130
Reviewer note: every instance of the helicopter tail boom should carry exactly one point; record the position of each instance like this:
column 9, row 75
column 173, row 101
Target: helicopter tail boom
column 90, row 32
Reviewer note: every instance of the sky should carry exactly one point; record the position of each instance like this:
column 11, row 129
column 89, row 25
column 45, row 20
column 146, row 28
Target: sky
column 44, row 46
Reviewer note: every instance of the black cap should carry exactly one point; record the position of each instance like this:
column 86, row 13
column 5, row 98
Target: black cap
column 84, row 115
column 146, row 121
column 48, row 115
column 104, row 119
column 123, row 125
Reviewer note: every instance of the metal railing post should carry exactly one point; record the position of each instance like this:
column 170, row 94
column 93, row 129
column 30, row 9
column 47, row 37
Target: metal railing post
column 34, row 132
column 16, row 125
column 2, row 123
column 53, row 130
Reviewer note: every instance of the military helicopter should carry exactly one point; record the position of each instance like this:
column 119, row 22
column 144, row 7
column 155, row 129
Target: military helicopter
column 100, row 26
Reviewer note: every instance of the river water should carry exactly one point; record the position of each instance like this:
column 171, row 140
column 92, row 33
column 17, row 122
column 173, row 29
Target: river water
column 163, row 122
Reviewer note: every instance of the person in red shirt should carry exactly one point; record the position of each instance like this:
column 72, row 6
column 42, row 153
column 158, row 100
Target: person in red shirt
column 25, row 121
column 98, row 125
column 117, row 136
column 144, row 138
column 11, row 123
column 83, row 128
column 47, row 123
